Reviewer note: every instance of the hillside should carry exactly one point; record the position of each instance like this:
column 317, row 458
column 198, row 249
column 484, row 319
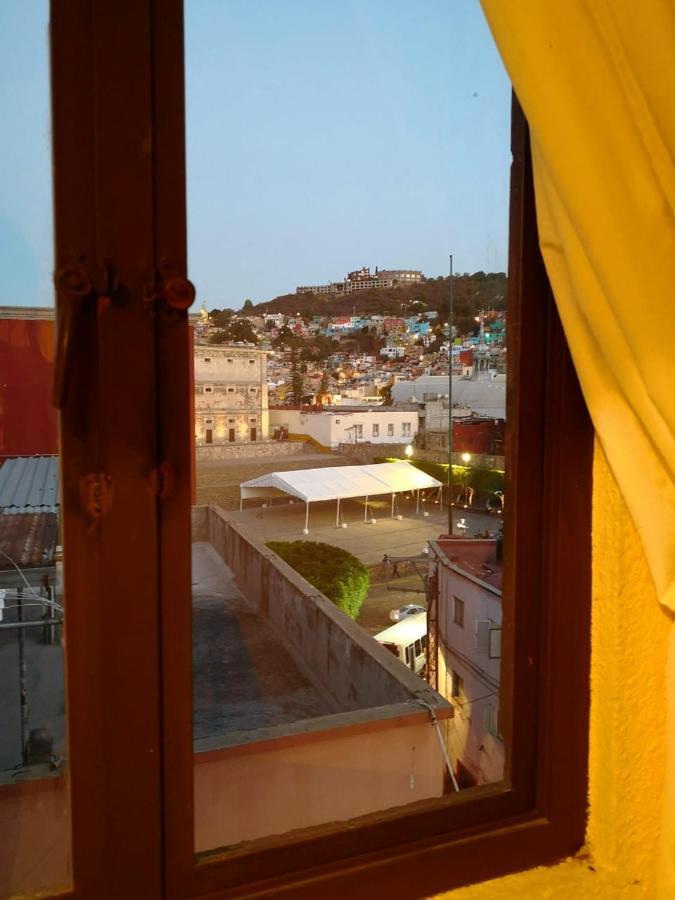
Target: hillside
column 471, row 293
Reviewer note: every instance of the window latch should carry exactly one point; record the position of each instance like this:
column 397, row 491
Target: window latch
column 177, row 292
column 77, row 290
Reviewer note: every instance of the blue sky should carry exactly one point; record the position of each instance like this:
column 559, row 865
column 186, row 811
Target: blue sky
column 320, row 136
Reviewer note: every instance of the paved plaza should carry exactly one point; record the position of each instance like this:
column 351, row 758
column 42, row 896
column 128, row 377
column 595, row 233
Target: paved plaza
column 284, row 521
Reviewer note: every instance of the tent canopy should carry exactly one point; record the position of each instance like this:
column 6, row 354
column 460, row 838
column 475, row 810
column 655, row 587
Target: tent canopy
column 340, row 482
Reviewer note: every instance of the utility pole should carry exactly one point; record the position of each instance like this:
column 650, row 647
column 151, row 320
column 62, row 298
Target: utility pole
column 23, row 697
column 450, row 523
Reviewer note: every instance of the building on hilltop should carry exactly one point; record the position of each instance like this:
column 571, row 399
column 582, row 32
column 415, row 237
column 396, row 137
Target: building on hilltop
column 402, row 276
column 230, row 384
column 362, row 280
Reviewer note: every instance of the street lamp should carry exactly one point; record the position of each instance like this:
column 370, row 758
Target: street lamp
column 466, row 458
column 409, row 451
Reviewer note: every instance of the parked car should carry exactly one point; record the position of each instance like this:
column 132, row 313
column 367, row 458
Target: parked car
column 402, row 612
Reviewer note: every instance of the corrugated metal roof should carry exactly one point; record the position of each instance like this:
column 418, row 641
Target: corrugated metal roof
column 29, row 539
column 29, row 484
column 486, row 396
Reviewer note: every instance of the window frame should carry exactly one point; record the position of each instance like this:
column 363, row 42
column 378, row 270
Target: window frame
column 458, row 611
column 132, row 808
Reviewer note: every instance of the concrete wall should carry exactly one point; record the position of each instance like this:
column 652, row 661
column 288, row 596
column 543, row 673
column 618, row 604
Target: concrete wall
column 378, row 753
column 349, row 664
column 35, row 825
column 329, row 775
column 249, row 450
column 366, row 452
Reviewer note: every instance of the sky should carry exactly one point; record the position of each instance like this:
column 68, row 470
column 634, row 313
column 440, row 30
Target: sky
column 321, row 137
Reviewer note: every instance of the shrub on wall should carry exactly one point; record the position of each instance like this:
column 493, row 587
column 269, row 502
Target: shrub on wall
column 335, row 572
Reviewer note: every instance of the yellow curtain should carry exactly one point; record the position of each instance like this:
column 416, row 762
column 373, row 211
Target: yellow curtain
column 596, row 79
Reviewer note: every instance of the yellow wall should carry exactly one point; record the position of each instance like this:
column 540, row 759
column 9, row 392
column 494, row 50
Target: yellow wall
column 628, row 722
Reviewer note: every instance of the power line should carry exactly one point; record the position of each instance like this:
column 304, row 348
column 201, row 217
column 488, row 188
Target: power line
column 52, row 603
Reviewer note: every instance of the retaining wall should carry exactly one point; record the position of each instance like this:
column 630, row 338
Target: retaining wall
column 349, row 664
column 379, row 752
column 249, row 450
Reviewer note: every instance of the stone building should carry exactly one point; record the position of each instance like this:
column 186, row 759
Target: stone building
column 230, row 395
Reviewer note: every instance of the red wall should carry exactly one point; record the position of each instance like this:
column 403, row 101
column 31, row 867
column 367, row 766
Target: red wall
column 478, row 436
column 27, row 417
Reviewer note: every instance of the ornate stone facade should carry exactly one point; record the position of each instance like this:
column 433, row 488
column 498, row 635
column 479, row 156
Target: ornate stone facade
column 230, row 395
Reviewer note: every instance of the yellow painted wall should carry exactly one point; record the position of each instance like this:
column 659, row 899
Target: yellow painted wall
column 628, row 721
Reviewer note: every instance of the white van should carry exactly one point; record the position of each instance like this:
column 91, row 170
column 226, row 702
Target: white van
column 407, row 640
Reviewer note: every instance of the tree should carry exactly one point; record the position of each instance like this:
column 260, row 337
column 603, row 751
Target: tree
column 297, row 381
column 285, row 338
column 248, row 305
column 221, row 317
column 385, row 392
column 242, row 330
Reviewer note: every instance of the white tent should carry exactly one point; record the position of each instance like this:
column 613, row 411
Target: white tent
column 340, row 483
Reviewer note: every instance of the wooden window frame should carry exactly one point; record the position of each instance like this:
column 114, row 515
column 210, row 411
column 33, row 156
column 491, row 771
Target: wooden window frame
column 118, row 143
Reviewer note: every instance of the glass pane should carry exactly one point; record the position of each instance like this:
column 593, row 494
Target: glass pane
column 35, row 851
column 348, row 170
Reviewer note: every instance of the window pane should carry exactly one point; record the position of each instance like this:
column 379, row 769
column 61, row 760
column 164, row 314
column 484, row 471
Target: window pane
column 34, row 792
column 292, row 688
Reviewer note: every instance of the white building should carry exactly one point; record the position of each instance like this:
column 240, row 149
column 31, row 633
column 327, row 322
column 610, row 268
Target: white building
column 277, row 319
column 392, row 352
column 331, row 428
column 467, row 578
column 230, row 395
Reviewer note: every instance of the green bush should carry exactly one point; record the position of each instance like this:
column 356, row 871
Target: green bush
column 335, row 572
column 484, row 480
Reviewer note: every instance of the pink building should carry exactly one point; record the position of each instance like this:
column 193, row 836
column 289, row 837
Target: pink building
column 467, row 577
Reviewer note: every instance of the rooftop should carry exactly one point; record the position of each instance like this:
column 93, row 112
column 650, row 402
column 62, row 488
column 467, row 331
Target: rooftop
column 29, row 484
column 476, row 558
column 29, row 539
column 244, row 677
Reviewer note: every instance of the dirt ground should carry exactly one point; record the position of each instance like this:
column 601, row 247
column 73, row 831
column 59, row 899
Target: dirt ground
column 385, row 595
column 218, row 480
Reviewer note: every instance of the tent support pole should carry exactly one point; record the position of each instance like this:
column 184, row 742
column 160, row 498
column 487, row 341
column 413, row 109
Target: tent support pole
column 241, row 502
column 306, row 531
column 393, row 496
column 365, row 511
column 337, row 514
column 418, row 502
